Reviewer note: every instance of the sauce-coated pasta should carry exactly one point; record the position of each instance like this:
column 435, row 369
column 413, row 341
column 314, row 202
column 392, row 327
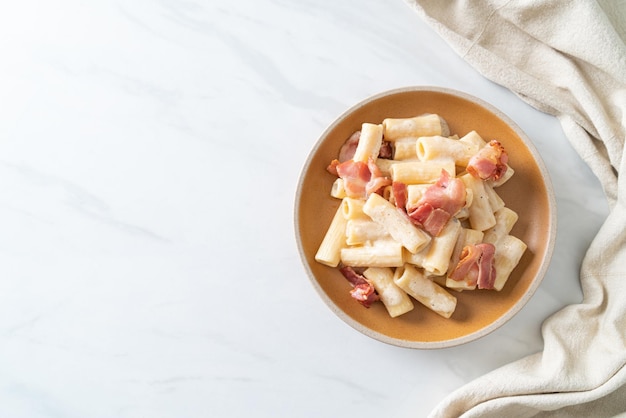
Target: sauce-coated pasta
column 424, row 223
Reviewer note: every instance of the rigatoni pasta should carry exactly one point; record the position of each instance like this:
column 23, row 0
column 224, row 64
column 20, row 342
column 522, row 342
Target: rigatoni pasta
column 404, row 149
column 396, row 224
column 420, row 172
column 481, row 215
column 329, row 252
column 438, row 147
column 423, row 125
column 425, row 291
column 385, row 252
column 363, row 231
column 396, row 300
column 437, row 259
column 510, row 252
column 370, row 142
column 423, row 220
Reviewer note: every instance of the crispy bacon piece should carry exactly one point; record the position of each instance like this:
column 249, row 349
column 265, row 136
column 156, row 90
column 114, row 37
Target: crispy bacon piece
column 486, row 267
column 377, row 180
column 332, row 167
column 430, row 218
column 355, row 175
column 362, row 289
column 476, row 266
column 467, row 267
column 360, row 179
column 399, row 191
column 438, row 204
column 489, row 163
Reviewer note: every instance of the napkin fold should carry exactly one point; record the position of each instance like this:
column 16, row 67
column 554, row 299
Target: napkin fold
column 568, row 59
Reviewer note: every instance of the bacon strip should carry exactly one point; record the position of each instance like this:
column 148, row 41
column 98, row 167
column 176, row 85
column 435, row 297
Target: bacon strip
column 332, row 167
column 439, row 203
column 486, row 268
column 360, row 179
column 399, row 194
column 430, row 218
column 362, row 289
column 377, row 180
column 347, row 150
column 489, row 163
column 476, row 266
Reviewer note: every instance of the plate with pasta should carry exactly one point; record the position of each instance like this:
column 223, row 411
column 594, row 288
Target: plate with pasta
column 425, row 217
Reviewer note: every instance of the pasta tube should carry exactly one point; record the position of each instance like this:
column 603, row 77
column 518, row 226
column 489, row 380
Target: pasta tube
column 380, row 253
column 505, row 220
column 353, row 208
column 437, row 258
column 416, row 259
column 329, row 251
column 472, row 137
column 404, row 149
column 384, row 165
column 370, row 142
column 481, row 215
column 423, row 125
column 425, row 291
column 418, row 172
column 396, row 301
column 508, row 254
column 361, row 231
column 337, row 190
column 495, row 201
column 397, row 224
column 437, row 147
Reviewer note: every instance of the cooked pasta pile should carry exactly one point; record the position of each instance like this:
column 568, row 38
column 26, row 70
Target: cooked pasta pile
column 420, row 215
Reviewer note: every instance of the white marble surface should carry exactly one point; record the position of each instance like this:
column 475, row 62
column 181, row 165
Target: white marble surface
column 149, row 155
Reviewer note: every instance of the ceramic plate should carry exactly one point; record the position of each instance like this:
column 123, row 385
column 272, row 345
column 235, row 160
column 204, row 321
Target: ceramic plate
column 529, row 193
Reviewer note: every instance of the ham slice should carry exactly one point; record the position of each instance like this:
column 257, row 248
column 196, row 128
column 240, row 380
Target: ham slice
column 438, row 204
column 476, row 266
column 362, row 289
column 489, row 163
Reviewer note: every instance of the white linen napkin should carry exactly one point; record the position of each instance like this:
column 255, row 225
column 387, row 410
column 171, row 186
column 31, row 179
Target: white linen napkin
column 568, row 59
